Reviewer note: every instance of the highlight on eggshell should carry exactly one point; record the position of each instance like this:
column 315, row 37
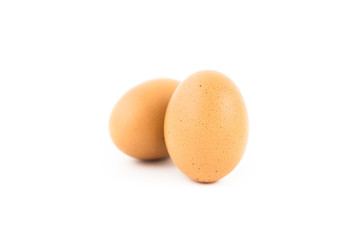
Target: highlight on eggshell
column 206, row 126
column 137, row 120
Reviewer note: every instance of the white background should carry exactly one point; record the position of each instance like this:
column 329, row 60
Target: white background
column 64, row 64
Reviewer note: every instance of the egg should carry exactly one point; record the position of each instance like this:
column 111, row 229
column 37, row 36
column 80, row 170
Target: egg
column 206, row 126
column 137, row 121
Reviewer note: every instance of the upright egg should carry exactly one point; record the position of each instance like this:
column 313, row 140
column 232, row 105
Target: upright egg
column 206, row 126
column 137, row 120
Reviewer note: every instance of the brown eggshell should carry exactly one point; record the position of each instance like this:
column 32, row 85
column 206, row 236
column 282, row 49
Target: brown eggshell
column 137, row 120
column 206, row 126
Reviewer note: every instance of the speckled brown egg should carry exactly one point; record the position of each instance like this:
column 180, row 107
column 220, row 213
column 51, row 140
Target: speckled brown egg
column 137, row 120
column 206, row 126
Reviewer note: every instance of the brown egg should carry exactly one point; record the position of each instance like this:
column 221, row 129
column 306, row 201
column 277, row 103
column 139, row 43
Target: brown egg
column 206, row 126
column 137, row 120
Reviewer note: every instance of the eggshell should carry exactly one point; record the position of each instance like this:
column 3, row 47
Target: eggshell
column 137, row 120
column 206, row 126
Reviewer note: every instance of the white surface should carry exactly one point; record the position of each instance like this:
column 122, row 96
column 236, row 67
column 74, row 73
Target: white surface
column 64, row 64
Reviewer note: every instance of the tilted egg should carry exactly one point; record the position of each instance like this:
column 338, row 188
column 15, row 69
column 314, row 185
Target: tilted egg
column 206, row 126
column 137, row 120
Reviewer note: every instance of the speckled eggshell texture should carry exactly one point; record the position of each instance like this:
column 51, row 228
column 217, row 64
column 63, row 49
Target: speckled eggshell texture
column 206, row 126
column 137, row 120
